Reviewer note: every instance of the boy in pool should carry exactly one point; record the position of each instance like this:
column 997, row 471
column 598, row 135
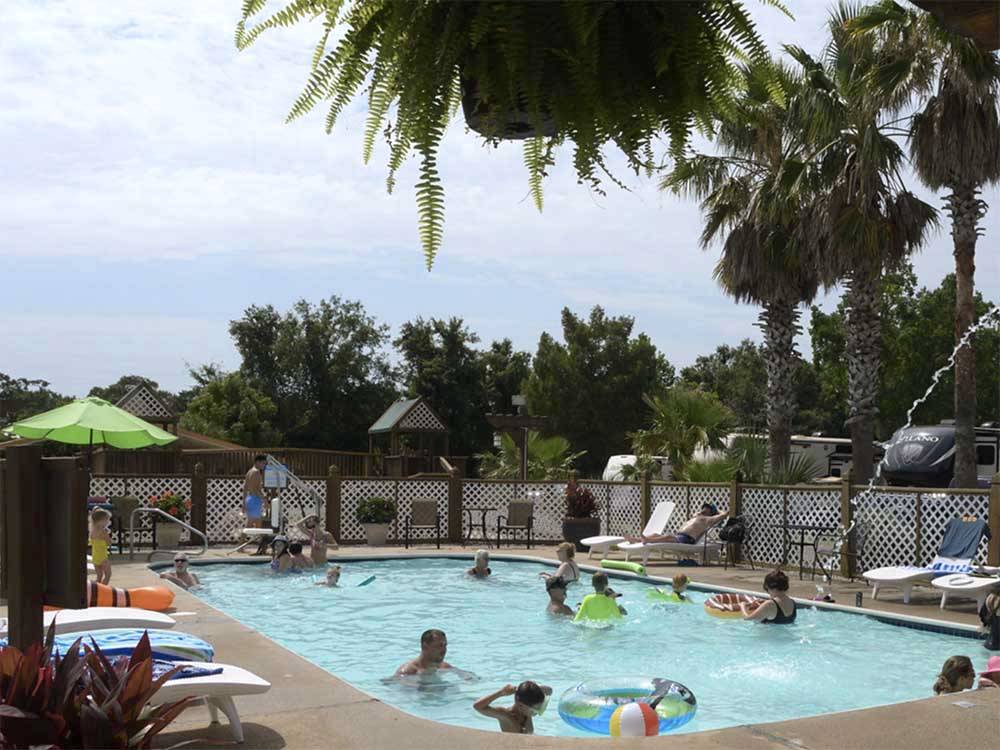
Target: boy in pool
column 556, row 587
column 299, row 560
column 680, row 583
column 600, row 583
column 529, row 701
column 332, row 577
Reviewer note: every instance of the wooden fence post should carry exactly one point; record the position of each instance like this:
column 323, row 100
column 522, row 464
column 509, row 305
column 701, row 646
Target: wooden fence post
column 846, row 519
column 918, row 522
column 993, row 556
column 332, row 520
column 455, row 506
column 644, row 502
column 23, row 530
column 199, row 500
column 736, row 509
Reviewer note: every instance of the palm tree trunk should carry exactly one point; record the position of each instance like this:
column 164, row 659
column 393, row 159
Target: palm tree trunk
column 780, row 323
column 965, row 209
column 863, row 297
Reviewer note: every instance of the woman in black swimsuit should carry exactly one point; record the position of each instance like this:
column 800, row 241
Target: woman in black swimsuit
column 778, row 609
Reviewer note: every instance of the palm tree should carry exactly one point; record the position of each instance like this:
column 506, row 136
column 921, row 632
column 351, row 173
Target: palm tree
column 683, row 421
column 863, row 221
column 548, row 458
column 954, row 146
column 753, row 194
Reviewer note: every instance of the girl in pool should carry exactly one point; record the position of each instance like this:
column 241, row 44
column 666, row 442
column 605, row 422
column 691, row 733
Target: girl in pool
column 482, row 567
column 332, row 577
column 958, row 674
column 568, row 570
column 281, row 560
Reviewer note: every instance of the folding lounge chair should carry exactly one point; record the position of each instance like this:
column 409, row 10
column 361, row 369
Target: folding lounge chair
column 167, row 645
column 958, row 548
column 656, row 525
column 700, row 547
column 216, row 691
column 101, row 618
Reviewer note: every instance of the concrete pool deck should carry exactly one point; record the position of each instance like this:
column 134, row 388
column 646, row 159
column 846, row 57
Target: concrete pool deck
column 308, row 707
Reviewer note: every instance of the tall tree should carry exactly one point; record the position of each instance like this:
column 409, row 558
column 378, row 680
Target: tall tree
column 864, row 220
column 592, row 383
column 505, row 371
column 323, row 366
column 226, row 407
column 955, row 146
column 25, row 397
column 737, row 375
column 752, row 197
column 440, row 364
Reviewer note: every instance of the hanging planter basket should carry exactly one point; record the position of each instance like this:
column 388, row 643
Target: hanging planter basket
column 507, row 125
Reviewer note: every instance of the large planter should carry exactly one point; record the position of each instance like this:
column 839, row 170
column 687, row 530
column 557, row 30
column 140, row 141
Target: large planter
column 168, row 534
column 376, row 533
column 575, row 529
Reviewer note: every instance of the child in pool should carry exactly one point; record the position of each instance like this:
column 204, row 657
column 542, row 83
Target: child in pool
column 299, row 560
column 600, row 583
column 281, row 560
column 100, row 540
column 320, row 540
column 680, row 583
column 481, row 569
column 529, row 701
column 332, row 577
column 557, row 597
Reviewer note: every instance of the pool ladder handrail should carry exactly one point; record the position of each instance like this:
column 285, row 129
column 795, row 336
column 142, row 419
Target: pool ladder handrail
column 174, row 519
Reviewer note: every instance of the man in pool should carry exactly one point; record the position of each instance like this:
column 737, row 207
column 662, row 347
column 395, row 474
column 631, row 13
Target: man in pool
column 692, row 530
column 433, row 649
column 529, row 701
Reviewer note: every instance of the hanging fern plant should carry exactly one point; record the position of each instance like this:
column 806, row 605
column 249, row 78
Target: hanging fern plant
column 591, row 73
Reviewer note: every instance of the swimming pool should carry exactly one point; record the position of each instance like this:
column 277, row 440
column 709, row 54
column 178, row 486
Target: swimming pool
column 739, row 672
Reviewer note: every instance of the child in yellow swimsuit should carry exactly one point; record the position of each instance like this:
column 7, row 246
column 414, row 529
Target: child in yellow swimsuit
column 100, row 538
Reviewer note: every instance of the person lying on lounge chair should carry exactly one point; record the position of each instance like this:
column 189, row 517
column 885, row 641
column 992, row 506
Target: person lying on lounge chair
column 692, row 530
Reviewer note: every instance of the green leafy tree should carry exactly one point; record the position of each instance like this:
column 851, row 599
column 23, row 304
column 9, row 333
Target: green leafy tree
column 117, row 390
column 26, row 397
column 955, row 146
column 228, row 408
column 682, row 422
column 323, row 366
column 596, row 74
column 202, row 375
column 737, row 375
column 864, row 221
column 592, row 383
column 440, row 364
column 548, row 458
column 505, row 371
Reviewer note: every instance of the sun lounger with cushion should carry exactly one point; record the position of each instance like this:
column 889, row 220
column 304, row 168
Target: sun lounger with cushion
column 701, row 547
column 101, row 618
column 656, row 525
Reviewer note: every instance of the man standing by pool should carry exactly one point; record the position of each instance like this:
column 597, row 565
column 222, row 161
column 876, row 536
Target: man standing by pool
column 433, row 649
column 253, row 492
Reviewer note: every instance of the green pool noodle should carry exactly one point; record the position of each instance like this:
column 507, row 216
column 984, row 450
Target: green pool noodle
column 631, row 567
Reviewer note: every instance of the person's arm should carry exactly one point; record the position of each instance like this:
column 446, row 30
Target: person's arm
column 986, row 682
column 483, row 704
column 758, row 612
column 406, row 669
column 460, row 672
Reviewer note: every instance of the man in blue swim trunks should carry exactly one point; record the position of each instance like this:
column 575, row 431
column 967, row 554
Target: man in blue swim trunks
column 253, row 492
column 691, row 531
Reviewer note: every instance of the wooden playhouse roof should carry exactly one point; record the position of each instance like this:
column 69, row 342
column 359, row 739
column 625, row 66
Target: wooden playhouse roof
column 408, row 415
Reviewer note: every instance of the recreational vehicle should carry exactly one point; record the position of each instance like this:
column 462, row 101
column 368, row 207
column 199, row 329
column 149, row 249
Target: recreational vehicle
column 925, row 456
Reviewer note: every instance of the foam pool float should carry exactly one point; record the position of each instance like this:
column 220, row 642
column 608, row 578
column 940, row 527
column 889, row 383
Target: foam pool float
column 156, row 598
column 727, row 606
column 630, row 567
column 590, row 705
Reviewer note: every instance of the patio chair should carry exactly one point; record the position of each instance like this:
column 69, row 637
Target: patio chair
column 423, row 515
column 520, row 517
column 959, row 546
column 121, row 519
column 830, row 547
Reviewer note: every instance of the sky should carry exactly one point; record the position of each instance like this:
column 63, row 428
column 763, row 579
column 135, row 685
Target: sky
column 150, row 191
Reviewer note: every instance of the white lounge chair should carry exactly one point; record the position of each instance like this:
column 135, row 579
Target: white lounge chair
column 700, row 547
column 100, row 618
column 216, row 691
column 656, row 525
column 964, row 585
column 959, row 546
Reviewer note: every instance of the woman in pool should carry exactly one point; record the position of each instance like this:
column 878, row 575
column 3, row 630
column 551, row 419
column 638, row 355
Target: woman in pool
column 482, row 567
column 281, row 560
column 778, row 608
column 958, row 674
column 556, row 588
column 568, row 570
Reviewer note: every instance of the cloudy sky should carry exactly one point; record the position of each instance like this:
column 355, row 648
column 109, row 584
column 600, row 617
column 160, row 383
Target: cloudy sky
column 150, row 191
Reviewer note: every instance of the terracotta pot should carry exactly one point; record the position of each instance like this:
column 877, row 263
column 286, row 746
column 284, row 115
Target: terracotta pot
column 376, row 533
column 575, row 529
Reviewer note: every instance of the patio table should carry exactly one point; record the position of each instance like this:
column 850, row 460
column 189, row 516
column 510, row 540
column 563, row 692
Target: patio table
column 801, row 543
column 480, row 524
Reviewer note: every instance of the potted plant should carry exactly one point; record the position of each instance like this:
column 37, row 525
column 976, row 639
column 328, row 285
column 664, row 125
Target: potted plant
column 168, row 535
column 581, row 519
column 375, row 514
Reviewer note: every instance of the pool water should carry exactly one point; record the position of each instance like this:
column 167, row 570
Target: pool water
column 497, row 628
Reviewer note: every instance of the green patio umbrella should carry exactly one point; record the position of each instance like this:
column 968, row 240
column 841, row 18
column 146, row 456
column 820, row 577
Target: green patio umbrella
column 92, row 421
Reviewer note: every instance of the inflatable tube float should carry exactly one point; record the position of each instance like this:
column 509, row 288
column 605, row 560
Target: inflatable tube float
column 598, row 608
column 631, row 567
column 727, row 606
column 590, row 705
column 156, row 598
column 167, row 645
column 665, row 597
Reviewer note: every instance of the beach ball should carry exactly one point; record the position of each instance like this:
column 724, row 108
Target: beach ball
column 634, row 720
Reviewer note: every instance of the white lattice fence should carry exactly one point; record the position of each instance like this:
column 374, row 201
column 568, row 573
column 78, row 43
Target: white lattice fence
column 675, row 493
column 602, row 494
column 936, row 509
column 224, row 509
column 764, row 506
column 142, row 488
column 624, row 509
column 491, row 498
column 352, row 491
column 891, row 519
column 409, row 490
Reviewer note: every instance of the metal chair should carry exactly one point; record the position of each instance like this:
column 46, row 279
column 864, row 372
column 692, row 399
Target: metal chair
column 121, row 518
column 423, row 515
column 520, row 517
column 829, row 548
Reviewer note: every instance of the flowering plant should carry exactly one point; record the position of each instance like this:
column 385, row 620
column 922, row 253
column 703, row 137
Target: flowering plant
column 580, row 502
column 170, row 503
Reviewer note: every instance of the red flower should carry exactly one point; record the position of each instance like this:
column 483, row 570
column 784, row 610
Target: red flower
column 172, row 511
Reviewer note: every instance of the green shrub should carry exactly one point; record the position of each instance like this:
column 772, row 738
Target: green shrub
column 376, row 510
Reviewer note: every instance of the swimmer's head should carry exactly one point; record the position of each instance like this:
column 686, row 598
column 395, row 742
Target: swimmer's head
column 333, row 575
column 295, row 548
column 279, row 546
column 680, row 582
column 311, row 521
column 529, row 694
column 482, row 558
column 599, row 581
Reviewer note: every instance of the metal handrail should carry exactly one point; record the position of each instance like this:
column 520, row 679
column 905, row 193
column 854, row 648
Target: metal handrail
column 157, row 511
